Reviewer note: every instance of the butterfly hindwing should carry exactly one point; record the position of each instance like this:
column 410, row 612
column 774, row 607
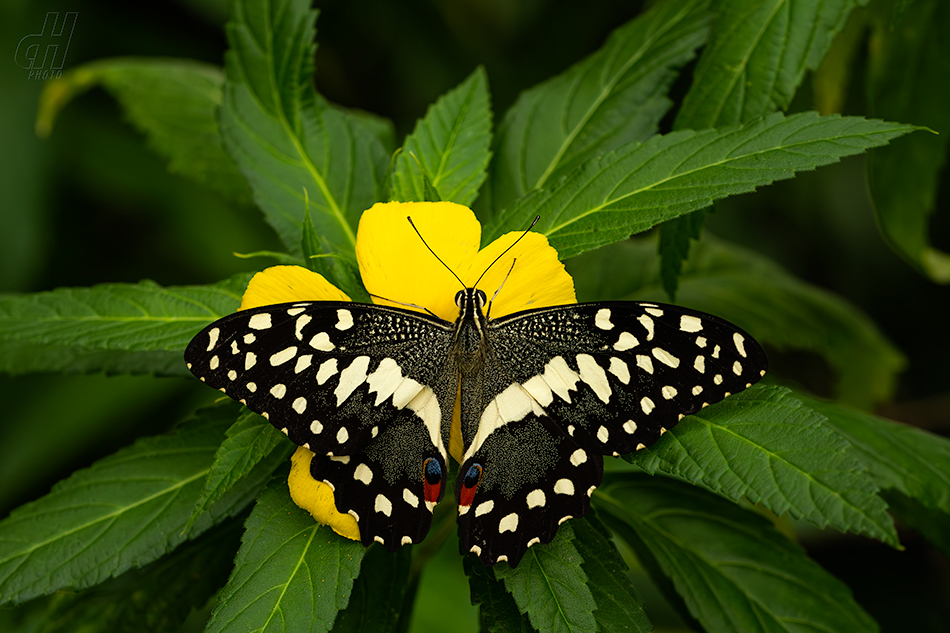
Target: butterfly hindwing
column 369, row 389
column 593, row 379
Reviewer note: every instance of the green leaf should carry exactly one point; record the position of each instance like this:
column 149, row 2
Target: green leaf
column 250, row 440
column 759, row 296
column 285, row 137
column 449, row 147
column 338, row 268
column 642, row 184
column 124, row 511
column 613, row 97
column 157, row 598
column 731, row 568
column 497, row 610
column 909, row 78
column 550, row 586
column 764, row 445
column 110, row 327
column 378, row 602
column 900, row 457
column 619, row 607
column 174, row 102
column 757, row 56
column 291, row 573
column 676, row 237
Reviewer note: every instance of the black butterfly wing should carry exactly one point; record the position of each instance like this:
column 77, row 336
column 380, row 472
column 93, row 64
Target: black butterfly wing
column 369, row 389
column 584, row 381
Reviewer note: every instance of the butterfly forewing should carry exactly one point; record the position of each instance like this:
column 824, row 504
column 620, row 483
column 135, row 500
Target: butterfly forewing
column 573, row 383
column 368, row 389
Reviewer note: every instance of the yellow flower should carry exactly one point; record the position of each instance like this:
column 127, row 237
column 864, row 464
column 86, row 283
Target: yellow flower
column 397, row 269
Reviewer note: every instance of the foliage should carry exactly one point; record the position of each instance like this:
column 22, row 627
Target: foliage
column 597, row 152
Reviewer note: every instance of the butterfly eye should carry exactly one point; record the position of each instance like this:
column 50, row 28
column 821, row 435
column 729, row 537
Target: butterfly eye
column 432, row 477
column 459, row 298
column 480, row 298
column 469, row 484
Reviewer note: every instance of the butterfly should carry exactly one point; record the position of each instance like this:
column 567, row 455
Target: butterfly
column 543, row 395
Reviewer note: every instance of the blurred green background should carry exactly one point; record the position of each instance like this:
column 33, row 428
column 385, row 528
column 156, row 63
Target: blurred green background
column 92, row 204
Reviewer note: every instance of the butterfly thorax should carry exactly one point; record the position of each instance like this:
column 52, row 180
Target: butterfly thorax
column 469, row 345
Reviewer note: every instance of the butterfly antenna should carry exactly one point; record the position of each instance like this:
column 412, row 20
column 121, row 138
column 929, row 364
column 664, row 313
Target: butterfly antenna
column 488, row 311
column 527, row 230
column 434, row 253
column 408, row 305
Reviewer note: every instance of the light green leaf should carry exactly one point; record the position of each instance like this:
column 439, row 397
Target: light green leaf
column 174, row 102
column 291, row 573
column 110, row 327
column 759, row 296
column 764, row 445
column 449, row 147
column 285, row 137
column 909, row 78
column 124, row 511
column 250, row 440
column 757, row 56
column 642, row 184
column 550, row 586
column 731, row 568
column 615, row 96
column 900, row 457
column 619, row 607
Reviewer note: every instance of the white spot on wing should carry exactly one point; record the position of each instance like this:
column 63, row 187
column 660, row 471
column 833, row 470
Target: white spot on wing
column 363, row 473
column 647, row 324
column 322, row 342
column 536, row 498
column 344, row 319
column 668, row 392
column 689, row 323
column 213, row 335
column 603, row 434
column 645, row 363
column 737, row 368
column 302, row 363
column 259, row 321
column 602, row 319
column 384, row 380
column 539, row 390
column 326, row 370
column 626, row 341
column 283, row 356
column 578, row 457
column 665, row 357
column 250, row 360
column 619, row 369
column 630, row 427
column 594, row 375
column 351, row 378
column 278, row 391
column 410, row 498
column 739, row 340
column 299, row 325
column 508, row 523
column 484, row 508
column 315, row 427
column 300, row 405
column 647, row 405
column 654, row 311
column 564, row 487
column 342, row 435
column 383, row 505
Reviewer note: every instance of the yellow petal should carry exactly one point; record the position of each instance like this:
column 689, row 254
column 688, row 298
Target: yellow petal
column 316, row 497
column 396, row 265
column 536, row 280
column 282, row 284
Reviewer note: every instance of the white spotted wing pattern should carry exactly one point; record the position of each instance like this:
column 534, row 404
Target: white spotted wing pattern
column 545, row 393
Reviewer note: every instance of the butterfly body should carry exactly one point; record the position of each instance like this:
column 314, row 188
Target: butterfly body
column 544, row 394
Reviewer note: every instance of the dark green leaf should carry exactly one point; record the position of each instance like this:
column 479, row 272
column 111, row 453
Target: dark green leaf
column 764, row 445
column 449, row 147
column 759, row 296
column 613, row 97
column 250, row 440
column 910, row 80
column 124, row 511
column 642, row 184
column 291, row 574
column 285, row 137
column 337, row 268
column 675, row 241
column 731, row 568
column 378, row 601
column 619, row 607
column 174, row 102
column 157, row 598
column 903, row 458
column 497, row 610
column 113, row 327
column 757, row 56
column 550, row 586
